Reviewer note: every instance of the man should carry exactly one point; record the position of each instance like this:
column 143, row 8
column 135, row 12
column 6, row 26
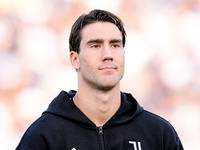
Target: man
column 98, row 116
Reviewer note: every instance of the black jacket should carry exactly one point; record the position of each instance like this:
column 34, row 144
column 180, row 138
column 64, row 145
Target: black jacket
column 64, row 127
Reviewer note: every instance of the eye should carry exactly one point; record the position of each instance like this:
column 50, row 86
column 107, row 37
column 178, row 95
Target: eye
column 115, row 45
column 95, row 46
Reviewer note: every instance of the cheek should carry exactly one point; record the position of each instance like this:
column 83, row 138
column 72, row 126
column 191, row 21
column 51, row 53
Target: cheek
column 86, row 63
column 120, row 59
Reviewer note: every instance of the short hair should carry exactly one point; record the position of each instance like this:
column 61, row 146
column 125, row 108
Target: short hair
column 96, row 15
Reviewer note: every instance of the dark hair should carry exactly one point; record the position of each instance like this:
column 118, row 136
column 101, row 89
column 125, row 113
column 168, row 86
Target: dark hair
column 86, row 19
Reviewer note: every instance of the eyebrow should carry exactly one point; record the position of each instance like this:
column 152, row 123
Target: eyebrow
column 95, row 41
column 101, row 41
column 116, row 41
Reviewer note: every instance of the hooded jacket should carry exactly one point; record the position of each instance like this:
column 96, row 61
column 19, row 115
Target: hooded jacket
column 64, row 127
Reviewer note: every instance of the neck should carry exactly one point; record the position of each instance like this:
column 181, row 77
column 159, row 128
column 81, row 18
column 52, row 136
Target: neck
column 99, row 106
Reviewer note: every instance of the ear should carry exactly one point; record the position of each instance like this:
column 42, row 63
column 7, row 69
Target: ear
column 74, row 59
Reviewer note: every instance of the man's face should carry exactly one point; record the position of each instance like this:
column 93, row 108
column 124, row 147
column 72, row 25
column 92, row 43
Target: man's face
column 101, row 58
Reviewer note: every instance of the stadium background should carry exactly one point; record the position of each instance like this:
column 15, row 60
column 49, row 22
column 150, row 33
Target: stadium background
column 162, row 60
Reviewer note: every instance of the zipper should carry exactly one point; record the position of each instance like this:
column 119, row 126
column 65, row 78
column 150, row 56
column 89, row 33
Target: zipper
column 101, row 138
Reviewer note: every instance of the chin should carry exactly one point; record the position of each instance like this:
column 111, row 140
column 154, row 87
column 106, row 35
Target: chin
column 108, row 87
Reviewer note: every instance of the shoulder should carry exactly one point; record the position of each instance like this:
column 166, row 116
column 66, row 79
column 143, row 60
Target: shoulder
column 154, row 119
column 158, row 124
column 34, row 136
column 162, row 127
column 40, row 133
column 39, row 126
column 45, row 123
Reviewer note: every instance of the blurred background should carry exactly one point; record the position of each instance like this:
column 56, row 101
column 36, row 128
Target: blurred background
column 162, row 60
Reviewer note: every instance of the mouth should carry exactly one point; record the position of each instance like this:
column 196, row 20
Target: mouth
column 108, row 68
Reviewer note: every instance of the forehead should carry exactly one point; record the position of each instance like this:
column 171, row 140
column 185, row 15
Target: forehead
column 101, row 30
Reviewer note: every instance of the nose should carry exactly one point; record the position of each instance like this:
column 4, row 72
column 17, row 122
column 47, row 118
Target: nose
column 107, row 54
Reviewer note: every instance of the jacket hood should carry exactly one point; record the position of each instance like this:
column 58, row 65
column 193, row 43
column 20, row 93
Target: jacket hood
column 64, row 107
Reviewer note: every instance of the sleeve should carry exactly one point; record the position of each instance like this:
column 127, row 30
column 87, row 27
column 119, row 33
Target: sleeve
column 171, row 139
column 32, row 141
column 178, row 145
column 35, row 137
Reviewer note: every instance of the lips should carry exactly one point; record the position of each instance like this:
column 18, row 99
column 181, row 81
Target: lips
column 108, row 68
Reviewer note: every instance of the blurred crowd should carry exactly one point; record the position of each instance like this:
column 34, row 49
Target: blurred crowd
column 162, row 60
